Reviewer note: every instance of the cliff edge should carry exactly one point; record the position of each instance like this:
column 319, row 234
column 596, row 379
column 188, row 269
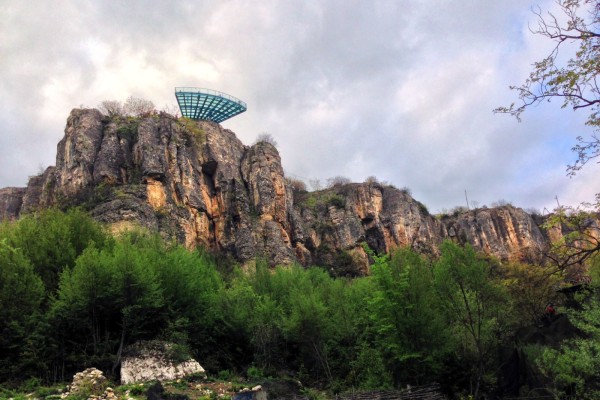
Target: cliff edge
column 196, row 182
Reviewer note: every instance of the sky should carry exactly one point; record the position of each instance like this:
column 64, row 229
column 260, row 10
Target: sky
column 399, row 90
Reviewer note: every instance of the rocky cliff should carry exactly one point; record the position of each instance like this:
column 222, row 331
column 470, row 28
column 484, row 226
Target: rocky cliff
column 196, row 182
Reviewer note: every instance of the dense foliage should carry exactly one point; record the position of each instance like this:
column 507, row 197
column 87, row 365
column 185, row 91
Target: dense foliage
column 73, row 296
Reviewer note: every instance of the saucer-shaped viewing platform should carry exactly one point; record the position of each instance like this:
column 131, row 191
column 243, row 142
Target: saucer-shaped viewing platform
column 206, row 104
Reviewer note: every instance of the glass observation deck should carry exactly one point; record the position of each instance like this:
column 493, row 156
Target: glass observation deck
column 206, row 104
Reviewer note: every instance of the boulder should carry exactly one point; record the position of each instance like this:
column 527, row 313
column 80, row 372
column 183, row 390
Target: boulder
column 156, row 361
column 89, row 383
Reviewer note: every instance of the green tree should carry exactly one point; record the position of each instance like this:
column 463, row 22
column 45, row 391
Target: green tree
column 573, row 368
column 52, row 240
column 236, row 306
column 531, row 288
column 477, row 309
column 21, row 293
column 406, row 317
column 307, row 324
column 84, row 312
column 297, row 300
column 578, row 244
column 112, row 297
column 575, row 81
column 191, row 287
column 139, row 295
column 302, row 319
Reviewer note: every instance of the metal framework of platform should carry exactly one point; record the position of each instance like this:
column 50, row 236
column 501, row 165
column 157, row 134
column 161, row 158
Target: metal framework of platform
column 206, row 104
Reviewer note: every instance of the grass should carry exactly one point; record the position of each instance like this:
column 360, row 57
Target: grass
column 222, row 386
column 196, row 132
column 320, row 200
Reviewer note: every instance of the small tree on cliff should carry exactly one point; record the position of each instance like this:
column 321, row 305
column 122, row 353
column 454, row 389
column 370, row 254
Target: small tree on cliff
column 133, row 106
column 338, row 181
column 138, row 107
column 266, row 138
column 111, row 108
column 574, row 82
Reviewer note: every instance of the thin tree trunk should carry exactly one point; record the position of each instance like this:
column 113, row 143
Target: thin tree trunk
column 323, row 361
column 120, row 351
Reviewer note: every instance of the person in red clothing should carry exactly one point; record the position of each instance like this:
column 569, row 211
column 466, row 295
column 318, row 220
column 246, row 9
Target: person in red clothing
column 550, row 315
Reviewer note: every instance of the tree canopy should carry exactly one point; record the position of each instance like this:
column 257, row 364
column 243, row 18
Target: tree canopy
column 415, row 320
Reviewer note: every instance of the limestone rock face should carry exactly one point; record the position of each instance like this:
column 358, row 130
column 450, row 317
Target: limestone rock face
column 11, row 200
column 77, row 151
column 506, row 232
column 268, row 203
column 344, row 217
column 197, row 183
column 151, row 361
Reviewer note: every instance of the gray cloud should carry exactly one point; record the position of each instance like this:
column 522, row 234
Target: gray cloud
column 399, row 90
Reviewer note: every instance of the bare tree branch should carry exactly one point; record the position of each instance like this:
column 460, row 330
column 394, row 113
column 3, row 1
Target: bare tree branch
column 574, row 82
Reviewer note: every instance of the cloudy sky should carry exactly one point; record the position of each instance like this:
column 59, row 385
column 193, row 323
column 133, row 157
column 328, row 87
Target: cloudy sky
column 400, row 90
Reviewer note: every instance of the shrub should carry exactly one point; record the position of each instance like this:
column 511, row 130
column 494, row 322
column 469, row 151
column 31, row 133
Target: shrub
column 297, row 185
column 337, row 181
column 422, row 208
column 533, row 211
column 501, row 203
column 128, row 131
column 456, row 211
column 49, row 392
column 111, row 108
column 315, row 184
column 197, row 134
column 254, row 372
column 406, row 190
column 225, row 375
column 136, row 389
column 30, row 385
column 310, row 202
column 336, row 200
column 137, row 107
column 313, row 394
column 371, row 179
column 266, row 138
column 179, row 353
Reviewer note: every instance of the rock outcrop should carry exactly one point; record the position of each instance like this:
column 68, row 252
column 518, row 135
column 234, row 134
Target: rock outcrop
column 90, row 383
column 156, row 361
column 505, row 232
column 11, row 201
column 196, row 182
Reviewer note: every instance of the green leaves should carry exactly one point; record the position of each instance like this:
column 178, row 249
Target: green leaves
column 574, row 366
column 21, row 293
column 51, row 240
column 578, row 241
column 574, row 82
column 405, row 315
column 412, row 321
column 476, row 306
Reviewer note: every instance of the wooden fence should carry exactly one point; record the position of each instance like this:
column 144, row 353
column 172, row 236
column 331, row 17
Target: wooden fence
column 429, row 392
